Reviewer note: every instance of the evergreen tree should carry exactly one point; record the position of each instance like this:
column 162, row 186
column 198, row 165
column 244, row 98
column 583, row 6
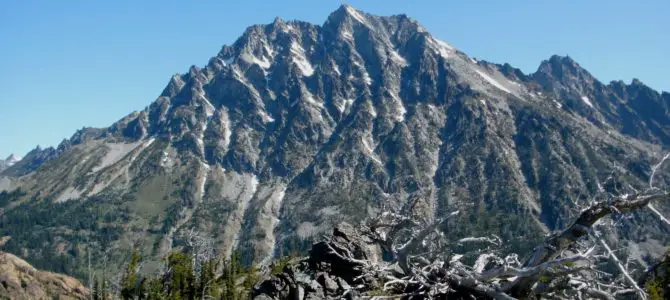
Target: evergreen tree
column 232, row 270
column 96, row 290
column 181, row 282
column 155, row 290
column 104, row 295
column 130, row 280
column 252, row 277
column 207, row 280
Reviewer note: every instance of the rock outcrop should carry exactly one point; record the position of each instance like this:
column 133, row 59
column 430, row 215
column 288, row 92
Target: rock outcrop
column 20, row 280
column 324, row 274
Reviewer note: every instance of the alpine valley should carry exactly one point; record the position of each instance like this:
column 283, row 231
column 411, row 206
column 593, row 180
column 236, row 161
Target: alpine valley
column 296, row 127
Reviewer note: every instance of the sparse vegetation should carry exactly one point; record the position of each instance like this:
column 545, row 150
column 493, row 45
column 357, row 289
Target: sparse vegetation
column 227, row 279
column 658, row 285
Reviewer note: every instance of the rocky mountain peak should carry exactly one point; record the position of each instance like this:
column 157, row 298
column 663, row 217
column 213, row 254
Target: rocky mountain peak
column 563, row 69
column 9, row 161
column 345, row 13
column 565, row 79
column 297, row 126
column 12, row 159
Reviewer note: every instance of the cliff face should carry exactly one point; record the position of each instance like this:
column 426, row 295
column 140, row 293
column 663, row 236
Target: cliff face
column 20, row 280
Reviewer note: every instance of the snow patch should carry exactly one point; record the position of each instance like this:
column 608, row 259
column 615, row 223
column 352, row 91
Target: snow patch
column 364, row 72
column 165, row 159
column 372, row 110
column 244, row 81
column 346, row 103
column 201, row 137
column 399, row 108
column 558, row 105
column 228, row 61
column 357, row 16
column 367, row 78
column 397, row 58
column 587, row 101
column 266, row 117
column 12, row 160
column 444, row 45
column 347, row 35
column 336, row 69
column 209, row 110
column 262, row 62
column 227, row 131
column 492, row 81
column 312, row 100
column 300, row 59
column 369, row 151
column 203, row 183
column 442, row 48
column 165, row 112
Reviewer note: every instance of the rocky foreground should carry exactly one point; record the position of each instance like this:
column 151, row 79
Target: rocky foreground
column 20, row 280
column 417, row 264
column 324, row 274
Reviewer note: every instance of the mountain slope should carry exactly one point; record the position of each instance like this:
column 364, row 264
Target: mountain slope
column 296, row 127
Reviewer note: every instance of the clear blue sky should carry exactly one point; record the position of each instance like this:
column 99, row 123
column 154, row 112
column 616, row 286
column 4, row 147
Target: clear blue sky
column 69, row 64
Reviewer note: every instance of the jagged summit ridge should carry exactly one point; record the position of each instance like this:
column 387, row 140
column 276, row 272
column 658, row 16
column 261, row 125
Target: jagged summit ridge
column 295, row 127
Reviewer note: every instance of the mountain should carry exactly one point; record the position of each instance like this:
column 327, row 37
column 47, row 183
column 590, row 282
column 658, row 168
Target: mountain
column 296, row 127
column 9, row 161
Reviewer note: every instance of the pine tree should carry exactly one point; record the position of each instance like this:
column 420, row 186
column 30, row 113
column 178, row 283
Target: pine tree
column 141, row 289
column 253, row 276
column 206, row 280
column 181, row 283
column 103, row 289
column 96, row 290
column 155, row 290
column 129, row 281
column 232, row 270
